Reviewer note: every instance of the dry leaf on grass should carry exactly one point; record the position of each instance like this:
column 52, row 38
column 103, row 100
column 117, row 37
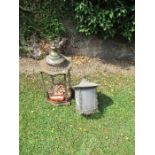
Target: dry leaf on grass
column 78, row 60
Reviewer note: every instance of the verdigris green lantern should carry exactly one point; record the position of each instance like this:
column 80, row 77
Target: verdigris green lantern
column 86, row 97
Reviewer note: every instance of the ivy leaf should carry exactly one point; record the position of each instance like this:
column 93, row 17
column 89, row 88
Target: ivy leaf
column 111, row 15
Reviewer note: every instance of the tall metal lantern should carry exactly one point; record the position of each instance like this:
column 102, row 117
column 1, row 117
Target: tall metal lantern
column 54, row 65
column 86, row 97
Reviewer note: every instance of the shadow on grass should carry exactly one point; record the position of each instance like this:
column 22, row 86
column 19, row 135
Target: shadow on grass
column 104, row 102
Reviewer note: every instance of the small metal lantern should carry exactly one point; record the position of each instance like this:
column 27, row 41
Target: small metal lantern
column 86, row 97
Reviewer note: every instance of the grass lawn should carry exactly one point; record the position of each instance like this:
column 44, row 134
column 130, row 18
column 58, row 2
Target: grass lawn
column 48, row 130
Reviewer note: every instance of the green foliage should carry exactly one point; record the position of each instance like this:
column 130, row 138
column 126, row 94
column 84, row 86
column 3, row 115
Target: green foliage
column 50, row 27
column 43, row 20
column 86, row 17
column 105, row 18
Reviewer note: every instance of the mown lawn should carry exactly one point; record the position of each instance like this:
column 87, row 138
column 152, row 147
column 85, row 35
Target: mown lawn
column 48, row 130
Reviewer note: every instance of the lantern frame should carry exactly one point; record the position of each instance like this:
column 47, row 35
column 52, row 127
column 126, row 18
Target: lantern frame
column 54, row 72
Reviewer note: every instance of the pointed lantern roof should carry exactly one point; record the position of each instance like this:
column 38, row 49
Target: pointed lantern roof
column 86, row 84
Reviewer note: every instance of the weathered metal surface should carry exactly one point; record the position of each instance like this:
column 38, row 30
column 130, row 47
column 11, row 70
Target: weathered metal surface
column 54, row 57
column 85, row 84
column 62, row 69
column 86, row 97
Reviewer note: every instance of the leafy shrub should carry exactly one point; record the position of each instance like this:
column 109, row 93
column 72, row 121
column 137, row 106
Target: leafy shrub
column 105, row 18
column 108, row 19
column 43, row 20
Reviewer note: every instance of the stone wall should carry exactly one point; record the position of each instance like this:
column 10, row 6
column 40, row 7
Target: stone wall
column 105, row 49
column 93, row 46
column 110, row 49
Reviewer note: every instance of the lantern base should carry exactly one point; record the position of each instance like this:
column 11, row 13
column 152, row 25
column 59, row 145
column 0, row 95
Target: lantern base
column 89, row 112
column 64, row 103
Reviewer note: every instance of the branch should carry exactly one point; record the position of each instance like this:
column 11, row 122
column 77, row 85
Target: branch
column 25, row 9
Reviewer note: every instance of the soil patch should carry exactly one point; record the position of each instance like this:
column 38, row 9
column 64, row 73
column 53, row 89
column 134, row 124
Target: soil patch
column 83, row 66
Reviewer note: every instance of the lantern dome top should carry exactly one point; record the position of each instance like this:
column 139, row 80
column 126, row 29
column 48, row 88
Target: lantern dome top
column 85, row 84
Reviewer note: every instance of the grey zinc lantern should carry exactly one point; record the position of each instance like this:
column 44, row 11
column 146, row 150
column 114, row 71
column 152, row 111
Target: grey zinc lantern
column 86, row 97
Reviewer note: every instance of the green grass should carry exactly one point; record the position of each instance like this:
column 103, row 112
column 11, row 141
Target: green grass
column 48, row 130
